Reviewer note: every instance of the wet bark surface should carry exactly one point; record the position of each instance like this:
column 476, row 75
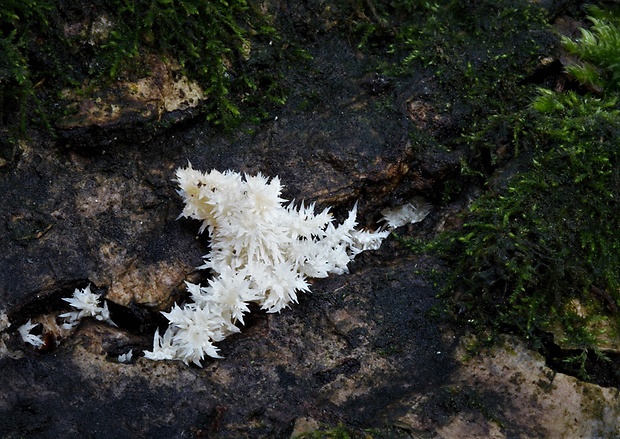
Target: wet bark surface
column 105, row 214
column 364, row 349
column 344, row 354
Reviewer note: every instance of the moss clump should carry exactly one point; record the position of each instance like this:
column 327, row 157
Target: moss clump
column 469, row 63
column 540, row 250
column 18, row 21
column 47, row 46
column 473, row 54
column 599, row 51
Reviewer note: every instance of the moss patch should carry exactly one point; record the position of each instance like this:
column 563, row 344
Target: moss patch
column 475, row 55
column 229, row 48
column 539, row 250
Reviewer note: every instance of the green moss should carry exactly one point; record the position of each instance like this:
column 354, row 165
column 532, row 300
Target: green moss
column 473, row 54
column 540, row 249
column 18, row 20
column 599, row 51
column 225, row 46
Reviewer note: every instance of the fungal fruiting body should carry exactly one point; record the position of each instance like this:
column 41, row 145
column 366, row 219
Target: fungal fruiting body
column 262, row 251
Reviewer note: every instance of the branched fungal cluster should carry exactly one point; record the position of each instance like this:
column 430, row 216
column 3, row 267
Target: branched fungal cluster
column 84, row 303
column 262, row 251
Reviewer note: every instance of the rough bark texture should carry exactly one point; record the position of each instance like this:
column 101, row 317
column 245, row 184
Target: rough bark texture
column 99, row 206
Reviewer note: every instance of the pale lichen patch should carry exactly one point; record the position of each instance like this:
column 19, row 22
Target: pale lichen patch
column 165, row 90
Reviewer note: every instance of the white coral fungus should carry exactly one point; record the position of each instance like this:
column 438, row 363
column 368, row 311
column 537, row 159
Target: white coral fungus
column 262, row 251
column 24, row 331
column 86, row 304
column 126, row 357
column 412, row 212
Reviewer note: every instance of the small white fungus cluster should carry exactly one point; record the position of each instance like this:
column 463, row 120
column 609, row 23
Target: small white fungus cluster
column 413, row 212
column 262, row 251
column 84, row 302
column 27, row 337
